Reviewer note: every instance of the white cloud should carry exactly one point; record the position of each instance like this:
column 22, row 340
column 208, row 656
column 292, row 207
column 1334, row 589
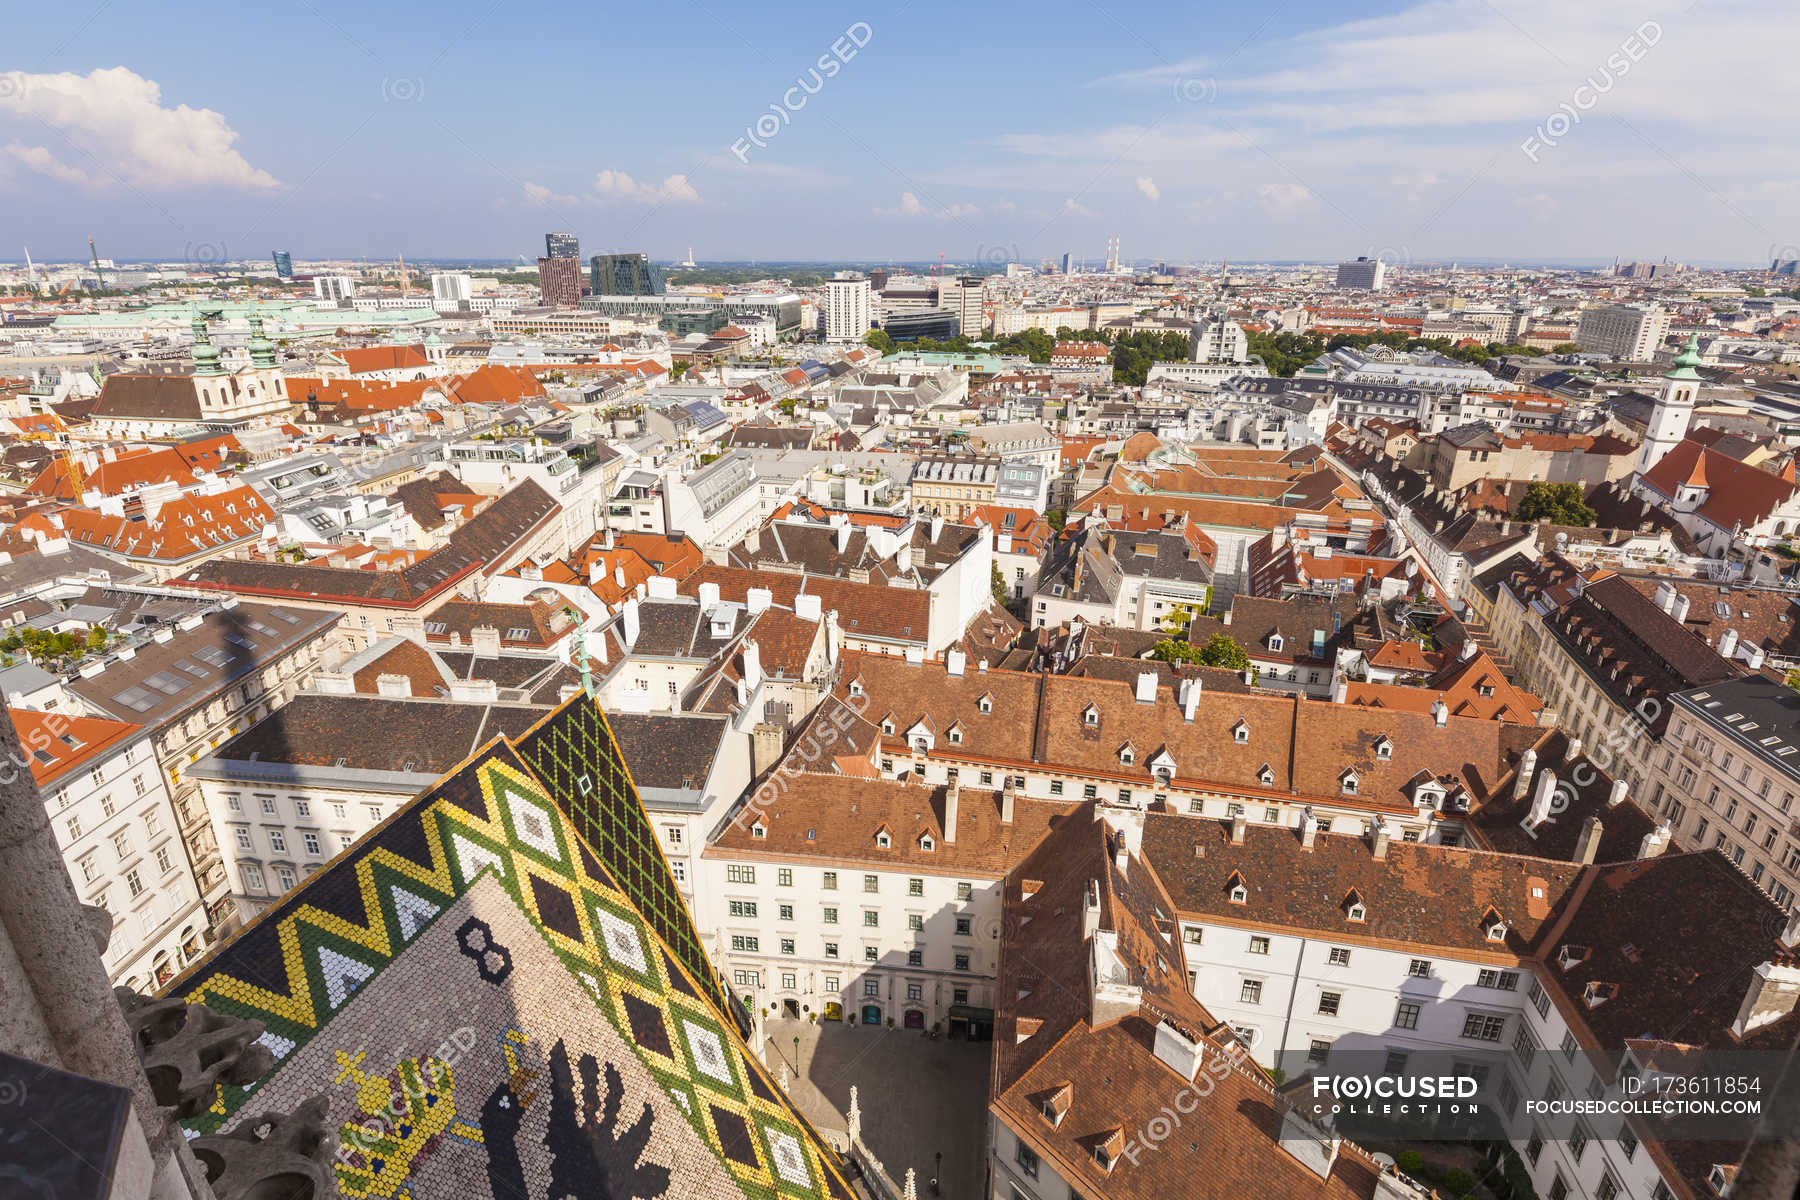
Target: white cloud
column 911, row 206
column 1075, row 208
column 617, row 185
column 1285, row 201
column 539, row 196
column 1148, row 187
column 116, row 126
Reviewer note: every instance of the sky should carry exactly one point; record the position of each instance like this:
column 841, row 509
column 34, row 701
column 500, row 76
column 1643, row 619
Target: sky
column 1526, row 130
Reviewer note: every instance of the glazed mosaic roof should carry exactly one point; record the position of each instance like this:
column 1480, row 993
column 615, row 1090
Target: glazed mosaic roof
column 476, row 990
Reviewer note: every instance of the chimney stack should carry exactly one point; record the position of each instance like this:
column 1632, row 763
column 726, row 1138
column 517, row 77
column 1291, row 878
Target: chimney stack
column 1008, row 796
column 1728, row 643
column 1527, row 765
column 753, row 673
column 1090, row 910
column 1309, row 829
column 1616, row 797
column 1655, row 842
column 1190, row 697
column 955, row 662
column 1541, row 800
column 1680, row 610
column 1379, row 848
column 952, row 799
column 1440, row 713
column 1588, row 846
column 1146, row 687
column 1774, row 988
column 1238, row 826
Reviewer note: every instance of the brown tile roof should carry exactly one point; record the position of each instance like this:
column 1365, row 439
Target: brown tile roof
column 1737, row 493
column 865, row 610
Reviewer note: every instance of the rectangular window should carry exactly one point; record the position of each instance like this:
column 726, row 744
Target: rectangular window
column 784, row 877
column 1525, row 1046
column 1328, row 1003
column 787, row 945
column 734, row 873
column 871, row 918
column 831, row 949
column 871, row 883
column 1483, row 1027
column 962, row 962
column 829, row 882
column 1339, row 956
column 831, row 916
column 1250, row 992
column 1540, row 999
column 1259, row 945
column 1407, row 1015
column 743, row 908
column 311, row 841
column 1504, row 981
column 1318, row 1051
column 1027, row 1159
column 278, row 841
column 915, row 887
column 1419, row 968
column 745, row 945
column 915, row 921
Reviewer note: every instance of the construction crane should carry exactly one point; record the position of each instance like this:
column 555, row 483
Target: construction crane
column 99, row 275
column 72, row 468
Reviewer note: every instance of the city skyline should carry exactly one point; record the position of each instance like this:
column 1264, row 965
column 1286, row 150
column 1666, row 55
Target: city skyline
column 1444, row 130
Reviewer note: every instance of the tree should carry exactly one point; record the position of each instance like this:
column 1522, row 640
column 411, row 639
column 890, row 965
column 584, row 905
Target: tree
column 1219, row 651
column 878, row 339
column 1001, row 595
column 1561, row 503
column 1057, row 518
column 1565, row 348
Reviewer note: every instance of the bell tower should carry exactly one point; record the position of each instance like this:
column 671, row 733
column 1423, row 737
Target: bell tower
column 1674, row 407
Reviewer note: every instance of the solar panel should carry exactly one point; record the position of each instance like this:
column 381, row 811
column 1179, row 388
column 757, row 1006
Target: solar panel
column 192, row 668
column 167, row 683
column 285, row 615
column 212, row 656
column 136, row 699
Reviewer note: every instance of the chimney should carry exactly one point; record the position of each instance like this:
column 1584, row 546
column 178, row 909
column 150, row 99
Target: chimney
column 1080, row 574
column 709, row 596
column 1665, row 595
column 484, row 640
column 807, row 606
column 843, row 537
column 1527, row 764
column 1340, row 687
column 1541, row 800
column 1790, row 933
column 1468, row 649
column 1090, row 910
column 1379, row 846
column 1728, row 643
column 834, row 638
column 1440, row 712
column 1238, row 826
column 955, row 662
column 765, row 746
column 1008, row 796
column 1680, row 610
column 1655, row 842
column 1774, row 987
column 1178, row 1050
column 758, row 599
column 628, row 616
column 1754, row 658
column 1309, row 829
column 1588, row 845
column 661, row 587
column 1616, row 797
column 937, row 527
column 951, row 803
column 618, row 576
column 1190, row 697
column 396, row 686
column 1574, row 750
column 1146, row 687
column 753, row 673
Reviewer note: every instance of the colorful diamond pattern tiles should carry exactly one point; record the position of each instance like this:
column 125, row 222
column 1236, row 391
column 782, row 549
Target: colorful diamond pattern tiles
column 493, row 828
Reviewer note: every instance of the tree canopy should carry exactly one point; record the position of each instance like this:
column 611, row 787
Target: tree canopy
column 1218, row 651
column 1562, row 503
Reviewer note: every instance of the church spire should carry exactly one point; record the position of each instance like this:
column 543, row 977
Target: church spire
column 262, row 350
column 1686, row 361
column 206, row 355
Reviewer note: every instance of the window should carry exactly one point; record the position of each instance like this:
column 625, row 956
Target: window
column 915, row 887
column 89, row 870
column 871, row 987
column 739, row 874
column 746, row 945
column 915, row 922
column 1056, row 787
column 915, row 991
column 286, row 876
column 253, row 878
column 831, row 916
column 871, row 883
column 1407, row 1015
column 1318, row 1051
column 1192, row 935
column 831, row 949
column 1534, row 1147
column 1509, row 1096
column 1628, row 1142
column 1608, row 1189
column 744, row 978
column 1328, row 1003
column 1559, row 1188
column 1504, row 981
column 1259, row 944
column 1419, row 968
column 121, row 842
column 1395, row 1064
column 1027, row 1159
column 871, row 918
column 1540, row 999
column 1339, row 956
column 871, row 954
column 965, row 926
column 1483, row 1027
column 829, row 883
column 783, row 877
column 743, row 908
column 1569, row 1046
column 134, row 882
column 278, row 841
column 785, row 912
column 1525, row 1046
column 787, row 945
column 268, row 806
column 962, row 961
column 1250, row 992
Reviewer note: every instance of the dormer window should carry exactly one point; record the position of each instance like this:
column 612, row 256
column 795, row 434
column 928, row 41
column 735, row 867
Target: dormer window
column 1570, row 957
column 1350, row 784
column 1236, row 890
column 1276, row 642
column 1240, row 733
column 1384, row 749
column 856, row 686
column 1266, row 776
column 956, row 735
column 1108, row 1148
column 1597, row 993
column 1354, row 908
column 1090, row 716
column 985, row 704
column 884, row 839
column 1126, row 754
column 1719, row 1179
column 759, row 830
column 926, row 844
column 887, row 727
column 1493, row 926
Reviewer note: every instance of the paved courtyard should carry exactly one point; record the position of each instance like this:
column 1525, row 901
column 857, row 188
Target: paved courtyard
column 918, row 1097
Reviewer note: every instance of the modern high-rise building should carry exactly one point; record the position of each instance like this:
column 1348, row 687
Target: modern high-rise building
column 284, row 265
column 625, row 275
column 336, row 288
column 848, row 308
column 1365, row 274
column 1067, row 261
column 963, row 295
column 1628, row 332
column 559, row 282
column 562, row 245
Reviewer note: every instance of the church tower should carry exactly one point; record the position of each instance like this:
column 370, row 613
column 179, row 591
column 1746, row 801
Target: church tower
column 1674, row 407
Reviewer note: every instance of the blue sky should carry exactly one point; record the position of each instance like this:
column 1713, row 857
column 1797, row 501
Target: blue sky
column 1305, row 130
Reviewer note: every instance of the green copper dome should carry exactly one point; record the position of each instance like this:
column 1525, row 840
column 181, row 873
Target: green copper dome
column 1687, row 360
column 206, row 355
column 262, row 350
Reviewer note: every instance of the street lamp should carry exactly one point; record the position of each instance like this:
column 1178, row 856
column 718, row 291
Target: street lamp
column 796, row 1056
column 937, row 1173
